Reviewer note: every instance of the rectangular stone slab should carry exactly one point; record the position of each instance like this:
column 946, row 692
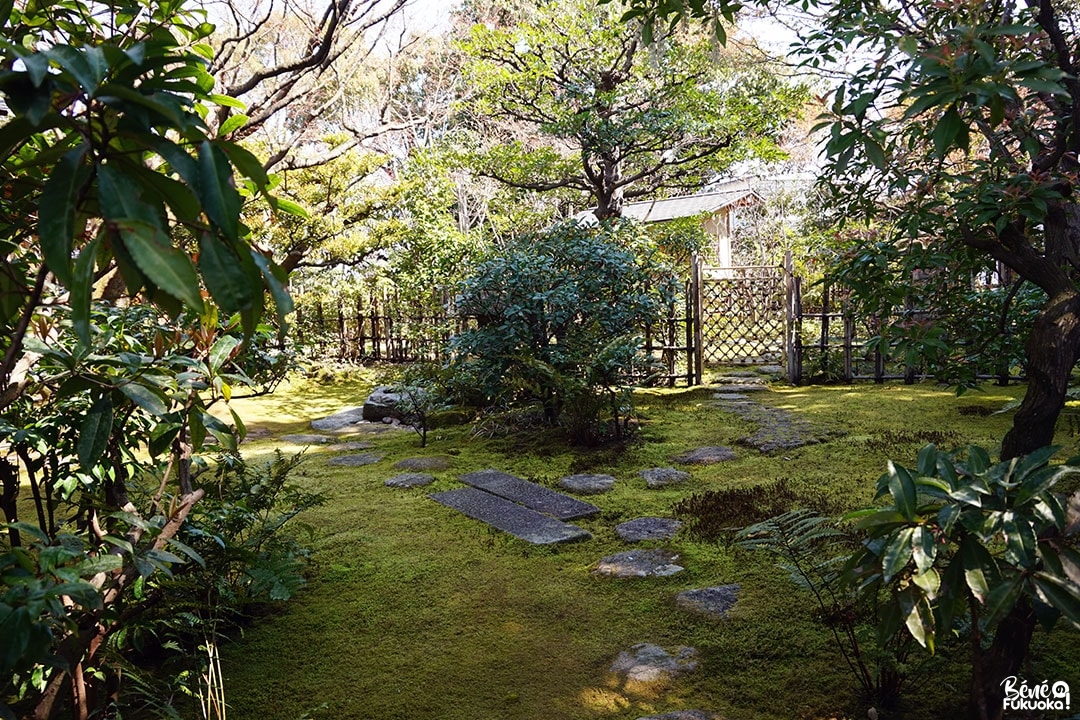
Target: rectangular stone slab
column 519, row 521
column 529, row 494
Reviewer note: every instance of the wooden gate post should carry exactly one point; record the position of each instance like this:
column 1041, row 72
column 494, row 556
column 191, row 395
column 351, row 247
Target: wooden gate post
column 791, row 315
column 697, row 350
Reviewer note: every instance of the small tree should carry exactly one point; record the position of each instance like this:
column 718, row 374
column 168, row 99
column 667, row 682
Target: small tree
column 991, row 543
column 558, row 316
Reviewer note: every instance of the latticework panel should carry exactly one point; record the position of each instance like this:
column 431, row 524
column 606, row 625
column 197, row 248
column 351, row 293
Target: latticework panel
column 743, row 316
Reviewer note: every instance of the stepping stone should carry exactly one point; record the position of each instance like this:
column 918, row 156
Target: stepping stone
column 434, row 462
column 529, row 494
column 639, row 563
column 355, row 460
column 410, row 480
column 648, row 663
column 682, row 715
column 771, row 370
column 658, row 477
column 710, row 601
column 705, row 456
column 302, row 439
column 587, row 484
column 730, row 397
column 350, row 446
column 339, row 422
column 521, row 522
column 745, row 387
column 648, row 528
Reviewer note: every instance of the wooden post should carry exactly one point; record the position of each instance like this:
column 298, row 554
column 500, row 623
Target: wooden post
column 879, row 359
column 795, row 362
column 849, row 338
column 789, row 317
column 699, row 350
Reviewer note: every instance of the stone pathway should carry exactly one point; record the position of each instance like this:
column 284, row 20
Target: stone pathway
column 529, row 494
column 355, row 460
column 640, row 563
column 659, row 477
column 647, row 528
column 709, row 455
column 410, row 480
column 648, row 663
column 518, row 520
column 778, row 429
column 587, row 484
column 715, row 601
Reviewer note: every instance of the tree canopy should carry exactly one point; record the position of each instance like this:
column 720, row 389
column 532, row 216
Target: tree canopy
column 573, row 98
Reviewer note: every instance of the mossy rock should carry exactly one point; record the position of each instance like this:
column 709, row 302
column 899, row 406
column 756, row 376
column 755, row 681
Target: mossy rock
column 450, row 417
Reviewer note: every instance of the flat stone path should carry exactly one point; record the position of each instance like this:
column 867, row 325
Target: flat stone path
column 647, row 528
column 640, row 563
column 529, row 494
column 778, row 429
column 519, row 521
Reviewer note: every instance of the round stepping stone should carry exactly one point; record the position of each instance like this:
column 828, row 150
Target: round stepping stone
column 410, row 480
column 342, row 421
column 303, row 439
column 658, row 477
column 350, row 446
column 356, row 460
column 434, row 462
column 587, row 484
column 710, row 601
column 648, row 663
column 681, row 715
column 639, row 563
column 705, row 456
column 648, row 528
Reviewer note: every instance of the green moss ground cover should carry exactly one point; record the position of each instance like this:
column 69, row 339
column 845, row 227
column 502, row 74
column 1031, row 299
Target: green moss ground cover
column 414, row 611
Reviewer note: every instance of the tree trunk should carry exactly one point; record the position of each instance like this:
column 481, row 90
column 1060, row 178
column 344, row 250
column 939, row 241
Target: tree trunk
column 1004, row 659
column 1052, row 352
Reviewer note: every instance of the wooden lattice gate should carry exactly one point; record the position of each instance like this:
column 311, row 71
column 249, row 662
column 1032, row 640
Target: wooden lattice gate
column 746, row 315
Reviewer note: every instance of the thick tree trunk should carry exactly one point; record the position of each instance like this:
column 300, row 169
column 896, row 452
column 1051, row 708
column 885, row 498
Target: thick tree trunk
column 1004, row 659
column 1052, row 352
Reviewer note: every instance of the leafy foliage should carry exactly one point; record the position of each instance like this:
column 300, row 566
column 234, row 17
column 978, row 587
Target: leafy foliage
column 132, row 301
column 812, row 550
column 557, row 321
column 579, row 102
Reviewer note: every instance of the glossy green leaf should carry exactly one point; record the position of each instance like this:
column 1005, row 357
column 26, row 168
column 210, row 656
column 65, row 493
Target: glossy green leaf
column 1002, row 598
column 82, row 286
column 217, row 190
column 918, row 617
column 166, row 266
column 94, row 432
column 221, row 351
column 928, row 460
column 897, row 553
column 978, row 565
column 902, row 489
column 225, row 278
column 1060, row 594
column 56, row 212
column 924, row 548
column 149, row 399
column 232, row 123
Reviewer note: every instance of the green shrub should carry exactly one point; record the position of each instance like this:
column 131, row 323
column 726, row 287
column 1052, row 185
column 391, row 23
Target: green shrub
column 558, row 316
